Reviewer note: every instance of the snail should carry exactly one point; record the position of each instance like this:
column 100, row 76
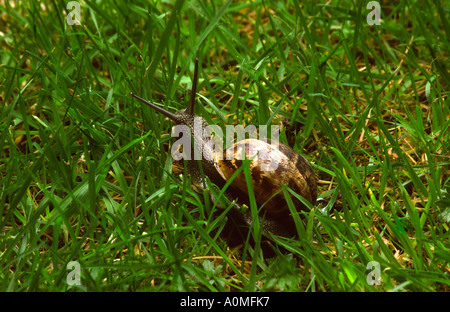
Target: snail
column 292, row 169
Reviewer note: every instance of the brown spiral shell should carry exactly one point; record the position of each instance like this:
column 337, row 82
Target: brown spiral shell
column 292, row 169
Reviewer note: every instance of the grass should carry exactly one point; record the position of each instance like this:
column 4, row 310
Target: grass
column 85, row 174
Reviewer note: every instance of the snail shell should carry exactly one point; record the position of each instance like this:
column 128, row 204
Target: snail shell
column 289, row 168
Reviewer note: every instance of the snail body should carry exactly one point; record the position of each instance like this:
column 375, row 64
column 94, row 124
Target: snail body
column 290, row 169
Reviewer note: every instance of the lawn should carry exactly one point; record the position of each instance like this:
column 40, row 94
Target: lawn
column 91, row 199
